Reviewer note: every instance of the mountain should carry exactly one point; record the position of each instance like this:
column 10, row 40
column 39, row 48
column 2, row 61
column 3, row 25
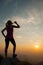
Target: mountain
column 1, row 58
column 12, row 61
column 40, row 63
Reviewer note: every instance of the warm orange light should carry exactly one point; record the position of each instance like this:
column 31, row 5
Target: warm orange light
column 36, row 46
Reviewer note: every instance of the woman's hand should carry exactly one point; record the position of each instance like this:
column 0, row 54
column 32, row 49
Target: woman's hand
column 15, row 22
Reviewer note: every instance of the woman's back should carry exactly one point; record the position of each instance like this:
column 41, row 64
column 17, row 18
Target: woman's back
column 9, row 31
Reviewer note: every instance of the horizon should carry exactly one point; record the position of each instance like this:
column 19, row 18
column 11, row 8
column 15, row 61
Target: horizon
column 28, row 54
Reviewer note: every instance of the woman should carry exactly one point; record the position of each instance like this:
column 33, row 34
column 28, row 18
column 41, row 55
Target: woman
column 9, row 37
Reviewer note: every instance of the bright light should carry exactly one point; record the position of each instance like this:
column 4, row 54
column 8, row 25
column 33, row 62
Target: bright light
column 36, row 46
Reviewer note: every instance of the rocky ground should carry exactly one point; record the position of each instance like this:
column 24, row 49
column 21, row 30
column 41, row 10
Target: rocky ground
column 12, row 61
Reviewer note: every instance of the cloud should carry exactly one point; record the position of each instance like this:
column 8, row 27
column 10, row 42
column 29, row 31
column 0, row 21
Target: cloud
column 18, row 37
column 34, row 17
column 6, row 2
column 29, row 16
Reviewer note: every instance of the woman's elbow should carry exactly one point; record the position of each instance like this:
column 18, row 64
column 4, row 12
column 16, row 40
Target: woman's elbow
column 1, row 31
column 18, row 26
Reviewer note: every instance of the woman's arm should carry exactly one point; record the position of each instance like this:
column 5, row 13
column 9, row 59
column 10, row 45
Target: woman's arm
column 16, row 24
column 3, row 32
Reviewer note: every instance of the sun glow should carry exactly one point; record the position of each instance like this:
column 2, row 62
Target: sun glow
column 36, row 46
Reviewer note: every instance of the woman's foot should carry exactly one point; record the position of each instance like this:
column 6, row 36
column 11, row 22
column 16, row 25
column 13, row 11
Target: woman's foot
column 14, row 55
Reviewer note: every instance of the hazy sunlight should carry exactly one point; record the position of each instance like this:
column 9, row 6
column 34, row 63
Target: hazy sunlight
column 36, row 46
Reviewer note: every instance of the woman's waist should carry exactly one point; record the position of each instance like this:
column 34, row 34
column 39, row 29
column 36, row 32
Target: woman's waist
column 9, row 36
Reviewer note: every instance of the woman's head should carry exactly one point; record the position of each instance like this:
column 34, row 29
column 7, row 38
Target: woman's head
column 9, row 22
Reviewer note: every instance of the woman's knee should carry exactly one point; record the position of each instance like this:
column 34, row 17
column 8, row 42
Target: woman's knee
column 14, row 44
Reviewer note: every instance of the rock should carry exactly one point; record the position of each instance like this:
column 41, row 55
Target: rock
column 1, row 58
column 13, row 61
column 5, row 62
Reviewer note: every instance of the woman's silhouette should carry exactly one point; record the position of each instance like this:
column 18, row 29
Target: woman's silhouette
column 9, row 37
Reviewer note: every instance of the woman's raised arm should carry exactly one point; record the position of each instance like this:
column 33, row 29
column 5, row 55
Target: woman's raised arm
column 18, row 26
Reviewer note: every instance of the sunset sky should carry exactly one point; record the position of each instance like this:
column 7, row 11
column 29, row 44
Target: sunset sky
column 29, row 15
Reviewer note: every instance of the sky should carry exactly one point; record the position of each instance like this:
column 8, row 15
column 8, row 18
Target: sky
column 29, row 15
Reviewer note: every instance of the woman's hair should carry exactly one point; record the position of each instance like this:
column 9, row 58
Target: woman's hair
column 9, row 22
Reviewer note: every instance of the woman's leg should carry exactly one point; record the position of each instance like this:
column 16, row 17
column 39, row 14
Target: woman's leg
column 6, row 46
column 14, row 44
